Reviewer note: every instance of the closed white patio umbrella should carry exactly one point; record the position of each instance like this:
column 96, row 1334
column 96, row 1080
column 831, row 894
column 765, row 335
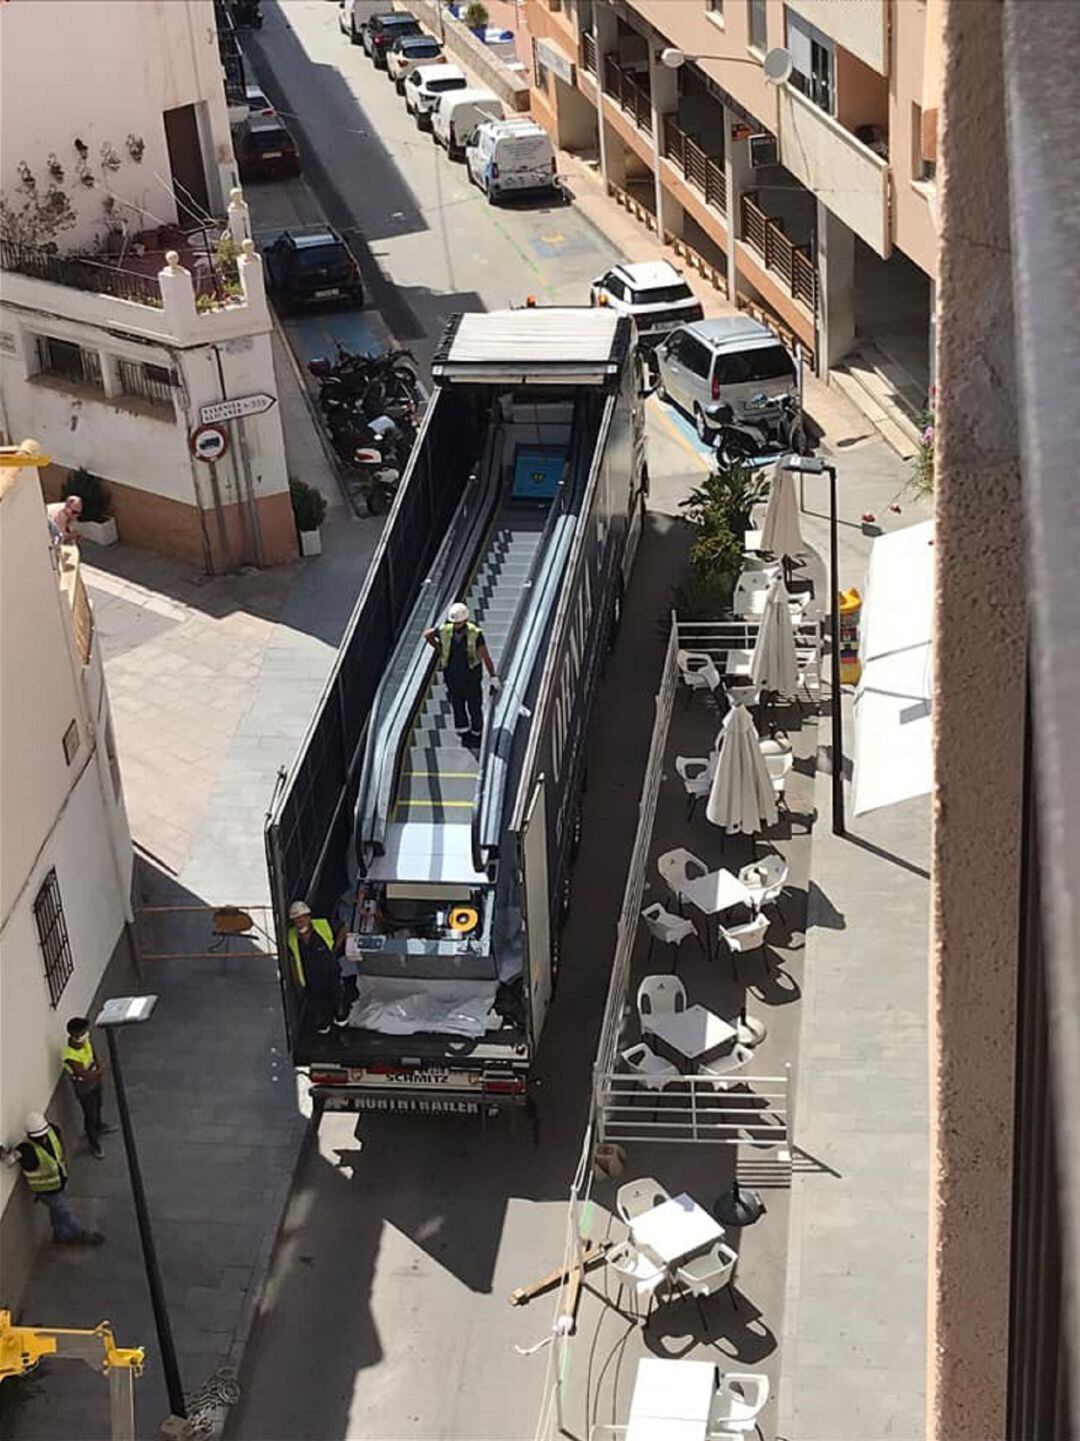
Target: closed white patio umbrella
column 773, row 665
column 780, row 533
column 741, row 799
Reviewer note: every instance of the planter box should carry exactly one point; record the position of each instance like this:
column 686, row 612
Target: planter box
column 310, row 542
column 101, row 532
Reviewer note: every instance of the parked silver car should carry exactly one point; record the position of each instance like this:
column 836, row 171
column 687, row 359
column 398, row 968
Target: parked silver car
column 732, row 361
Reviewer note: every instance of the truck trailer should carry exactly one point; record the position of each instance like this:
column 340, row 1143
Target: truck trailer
column 447, row 865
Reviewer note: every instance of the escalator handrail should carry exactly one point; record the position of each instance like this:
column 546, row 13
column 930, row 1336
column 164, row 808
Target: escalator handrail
column 558, row 508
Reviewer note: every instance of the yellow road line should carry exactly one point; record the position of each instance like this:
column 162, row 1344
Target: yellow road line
column 463, row 804
column 677, row 435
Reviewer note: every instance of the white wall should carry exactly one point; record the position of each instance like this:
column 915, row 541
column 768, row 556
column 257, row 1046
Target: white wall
column 857, row 25
column 99, row 72
column 53, row 813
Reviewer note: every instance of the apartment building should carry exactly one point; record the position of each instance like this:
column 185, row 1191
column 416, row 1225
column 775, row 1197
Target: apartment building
column 813, row 199
column 120, row 320
column 65, row 850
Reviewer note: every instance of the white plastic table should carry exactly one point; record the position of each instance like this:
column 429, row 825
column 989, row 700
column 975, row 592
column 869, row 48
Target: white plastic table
column 671, row 1400
column 697, row 1034
column 675, row 1230
column 717, row 891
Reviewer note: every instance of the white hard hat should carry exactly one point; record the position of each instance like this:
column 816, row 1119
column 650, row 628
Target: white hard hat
column 299, row 908
column 35, row 1123
column 457, row 612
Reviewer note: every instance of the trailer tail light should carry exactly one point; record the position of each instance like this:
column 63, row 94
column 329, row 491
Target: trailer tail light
column 494, row 171
column 504, row 1085
column 714, row 389
column 329, row 1078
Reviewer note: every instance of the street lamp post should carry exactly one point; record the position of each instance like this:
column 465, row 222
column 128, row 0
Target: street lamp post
column 777, row 64
column 814, row 465
column 127, row 1011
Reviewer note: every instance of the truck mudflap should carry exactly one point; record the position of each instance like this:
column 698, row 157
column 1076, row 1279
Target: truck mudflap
column 428, row 1090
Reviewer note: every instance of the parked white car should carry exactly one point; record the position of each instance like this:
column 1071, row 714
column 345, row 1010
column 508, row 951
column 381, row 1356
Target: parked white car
column 511, row 157
column 407, row 54
column 653, row 293
column 425, row 84
column 457, row 114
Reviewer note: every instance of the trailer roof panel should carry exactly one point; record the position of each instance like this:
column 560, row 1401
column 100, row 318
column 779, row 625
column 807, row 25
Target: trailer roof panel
column 564, row 336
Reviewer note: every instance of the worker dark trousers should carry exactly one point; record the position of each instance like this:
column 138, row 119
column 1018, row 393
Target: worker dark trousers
column 90, row 1101
column 467, row 700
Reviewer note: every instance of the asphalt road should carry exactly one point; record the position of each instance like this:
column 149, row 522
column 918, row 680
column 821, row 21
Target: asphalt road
column 386, row 1312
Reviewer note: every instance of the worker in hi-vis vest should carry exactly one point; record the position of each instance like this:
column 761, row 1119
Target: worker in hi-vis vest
column 44, row 1167
column 315, row 967
column 87, row 1078
column 462, row 652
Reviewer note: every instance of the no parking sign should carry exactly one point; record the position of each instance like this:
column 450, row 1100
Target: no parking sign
column 208, row 442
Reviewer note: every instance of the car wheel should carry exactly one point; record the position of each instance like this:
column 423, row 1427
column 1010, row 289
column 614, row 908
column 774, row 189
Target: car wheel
column 353, row 36
column 704, row 430
column 399, row 86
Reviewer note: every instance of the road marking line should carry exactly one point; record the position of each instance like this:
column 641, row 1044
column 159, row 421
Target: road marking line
column 676, row 434
column 463, row 805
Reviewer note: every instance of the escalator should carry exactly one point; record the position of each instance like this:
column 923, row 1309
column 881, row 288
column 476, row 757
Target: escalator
column 437, row 780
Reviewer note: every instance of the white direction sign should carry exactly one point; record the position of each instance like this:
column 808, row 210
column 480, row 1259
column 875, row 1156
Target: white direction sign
column 235, row 409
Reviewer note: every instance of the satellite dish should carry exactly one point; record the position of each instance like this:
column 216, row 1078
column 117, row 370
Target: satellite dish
column 672, row 57
column 777, row 65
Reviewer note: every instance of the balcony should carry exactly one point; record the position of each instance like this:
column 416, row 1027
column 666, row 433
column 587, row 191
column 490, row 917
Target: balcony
column 833, row 163
column 83, row 272
column 625, row 88
column 791, row 262
column 588, row 52
column 704, row 172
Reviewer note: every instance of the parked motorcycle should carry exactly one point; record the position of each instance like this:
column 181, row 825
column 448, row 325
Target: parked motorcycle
column 776, row 429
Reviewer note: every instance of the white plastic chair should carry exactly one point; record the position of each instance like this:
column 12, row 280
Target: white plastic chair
column 765, row 880
column 748, row 937
column 668, row 928
column 698, row 671
column 677, row 867
column 778, row 765
column 650, row 1070
column 706, row 1275
column 739, row 1400
column 634, row 1198
column 659, row 996
column 629, row 1268
column 722, row 1069
column 697, row 774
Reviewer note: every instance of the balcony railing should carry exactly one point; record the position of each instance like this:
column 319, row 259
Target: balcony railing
column 588, row 51
column 704, row 172
column 82, row 615
column 779, row 252
column 81, row 273
column 624, row 87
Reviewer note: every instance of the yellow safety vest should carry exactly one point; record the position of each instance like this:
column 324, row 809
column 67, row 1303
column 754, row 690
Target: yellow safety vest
column 83, row 1055
column 446, row 633
column 321, row 928
column 50, row 1173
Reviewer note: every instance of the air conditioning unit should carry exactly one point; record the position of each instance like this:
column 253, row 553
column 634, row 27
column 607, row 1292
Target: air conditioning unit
column 763, row 150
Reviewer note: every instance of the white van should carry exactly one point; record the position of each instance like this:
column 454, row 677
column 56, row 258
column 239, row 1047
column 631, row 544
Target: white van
column 510, row 157
column 458, row 113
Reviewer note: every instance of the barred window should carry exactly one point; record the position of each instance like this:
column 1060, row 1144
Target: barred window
column 53, row 935
column 151, row 382
column 70, row 361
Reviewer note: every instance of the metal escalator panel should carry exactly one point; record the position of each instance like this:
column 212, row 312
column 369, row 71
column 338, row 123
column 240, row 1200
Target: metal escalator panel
column 437, row 780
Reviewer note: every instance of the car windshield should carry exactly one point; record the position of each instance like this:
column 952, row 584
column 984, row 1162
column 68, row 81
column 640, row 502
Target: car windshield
column 313, row 257
column 771, row 362
column 269, row 139
column 453, row 83
column 396, row 28
column 661, row 295
column 419, row 49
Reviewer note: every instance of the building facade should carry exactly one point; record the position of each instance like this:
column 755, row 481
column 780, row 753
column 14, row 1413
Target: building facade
column 65, row 856
column 813, row 199
column 121, row 316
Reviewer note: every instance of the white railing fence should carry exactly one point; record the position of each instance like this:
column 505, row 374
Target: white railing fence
column 716, row 638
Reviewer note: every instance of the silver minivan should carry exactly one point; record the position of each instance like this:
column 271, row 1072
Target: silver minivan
column 731, row 361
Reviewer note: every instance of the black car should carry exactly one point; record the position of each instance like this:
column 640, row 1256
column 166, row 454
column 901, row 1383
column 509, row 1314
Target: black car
column 264, row 148
column 312, row 264
column 383, row 30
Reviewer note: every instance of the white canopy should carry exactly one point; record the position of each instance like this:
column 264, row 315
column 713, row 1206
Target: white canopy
column 780, row 533
column 893, row 756
column 773, row 666
column 741, row 799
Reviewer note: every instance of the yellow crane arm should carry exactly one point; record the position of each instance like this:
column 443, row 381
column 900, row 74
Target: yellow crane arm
column 22, row 1347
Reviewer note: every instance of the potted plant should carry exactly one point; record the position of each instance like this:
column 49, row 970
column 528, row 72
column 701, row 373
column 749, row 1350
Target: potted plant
column 719, row 512
column 476, row 18
column 309, row 510
column 96, row 523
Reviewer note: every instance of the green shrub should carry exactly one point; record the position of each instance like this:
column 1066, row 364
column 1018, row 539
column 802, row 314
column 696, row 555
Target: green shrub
column 92, row 491
column 309, row 505
column 476, row 15
column 703, row 597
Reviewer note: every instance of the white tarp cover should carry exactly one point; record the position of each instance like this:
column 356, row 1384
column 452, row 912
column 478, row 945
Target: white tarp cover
column 741, row 798
column 773, row 666
column 402, row 1007
column 893, row 756
column 535, row 336
column 780, row 532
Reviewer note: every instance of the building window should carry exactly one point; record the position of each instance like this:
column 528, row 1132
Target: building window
column 71, row 742
column 813, row 60
column 71, row 362
column 540, row 74
column 922, row 169
column 715, row 9
column 52, row 933
column 758, row 25
column 151, row 382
